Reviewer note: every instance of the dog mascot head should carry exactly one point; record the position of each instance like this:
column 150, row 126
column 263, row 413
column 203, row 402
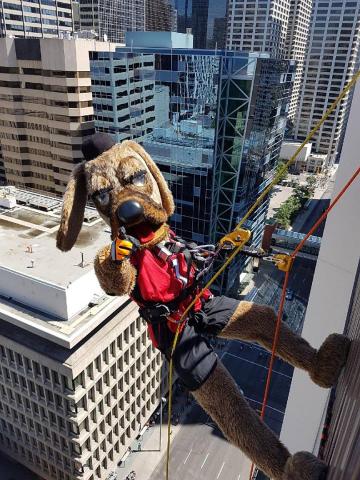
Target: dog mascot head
column 126, row 187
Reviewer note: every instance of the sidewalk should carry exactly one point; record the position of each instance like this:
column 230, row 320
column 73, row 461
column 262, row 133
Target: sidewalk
column 143, row 462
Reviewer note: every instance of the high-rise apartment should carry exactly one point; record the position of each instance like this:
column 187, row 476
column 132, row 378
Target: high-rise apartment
column 206, row 19
column 46, row 109
column 50, row 18
column 213, row 121
column 331, row 60
column 111, row 19
column 259, row 26
column 79, row 377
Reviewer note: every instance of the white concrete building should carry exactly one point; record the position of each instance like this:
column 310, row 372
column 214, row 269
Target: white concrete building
column 305, row 160
column 46, row 109
column 333, row 305
column 332, row 59
column 30, row 18
column 288, row 149
column 79, row 377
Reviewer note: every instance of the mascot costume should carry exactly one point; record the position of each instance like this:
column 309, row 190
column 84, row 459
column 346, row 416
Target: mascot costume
column 158, row 271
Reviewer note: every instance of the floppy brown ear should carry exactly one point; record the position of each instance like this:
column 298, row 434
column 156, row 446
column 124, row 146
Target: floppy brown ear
column 166, row 196
column 72, row 214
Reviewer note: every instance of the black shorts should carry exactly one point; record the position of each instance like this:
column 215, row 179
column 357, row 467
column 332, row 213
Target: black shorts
column 194, row 358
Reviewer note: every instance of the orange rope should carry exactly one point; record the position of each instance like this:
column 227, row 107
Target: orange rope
column 283, row 295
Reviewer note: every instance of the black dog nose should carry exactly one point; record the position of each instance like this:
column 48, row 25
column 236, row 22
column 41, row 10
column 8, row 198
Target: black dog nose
column 129, row 212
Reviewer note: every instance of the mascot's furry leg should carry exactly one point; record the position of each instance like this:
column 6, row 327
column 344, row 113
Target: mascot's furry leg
column 221, row 398
column 256, row 323
column 241, row 425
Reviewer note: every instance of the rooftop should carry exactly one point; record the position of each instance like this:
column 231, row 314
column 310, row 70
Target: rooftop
column 159, row 39
column 53, row 294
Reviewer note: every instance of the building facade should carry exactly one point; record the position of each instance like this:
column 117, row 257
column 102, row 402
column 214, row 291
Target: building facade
column 296, row 44
column 336, row 279
column 332, row 59
column 217, row 123
column 79, row 377
column 207, row 20
column 160, row 15
column 279, row 27
column 111, row 19
column 46, row 110
column 258, row 26
column 50, row 18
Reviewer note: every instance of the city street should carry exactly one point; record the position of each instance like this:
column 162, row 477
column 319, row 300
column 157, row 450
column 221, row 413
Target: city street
column 307, row 218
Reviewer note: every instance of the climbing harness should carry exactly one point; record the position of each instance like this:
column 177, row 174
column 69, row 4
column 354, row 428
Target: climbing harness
column 239, row 244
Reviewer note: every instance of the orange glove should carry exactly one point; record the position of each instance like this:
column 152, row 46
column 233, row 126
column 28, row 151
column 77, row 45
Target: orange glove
column 121, row 249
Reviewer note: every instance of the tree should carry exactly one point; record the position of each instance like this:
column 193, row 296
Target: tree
column 279, row 168
column 287, row 211
column 311, row 182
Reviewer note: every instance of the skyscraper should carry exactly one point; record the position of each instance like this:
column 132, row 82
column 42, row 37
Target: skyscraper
column 46, row 109
column 216, row 155
column 279, row 27
column 332, row 58
column 258, row 25
column 206, row 19
column 160, row 16
column 296, row 44
column 35, row 19
column 110, row 19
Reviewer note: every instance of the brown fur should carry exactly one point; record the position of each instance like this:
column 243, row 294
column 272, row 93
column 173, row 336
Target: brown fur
column 73, row 209
column 304, row 466
column 240, row 424
column 166, row 196
column 329, row 360
column 110, row 170
column 256, row 323
column 114, row 279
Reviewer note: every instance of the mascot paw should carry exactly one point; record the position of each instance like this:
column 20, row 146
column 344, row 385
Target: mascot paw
column 114, row 279
column 329, row 360
column 304, row 466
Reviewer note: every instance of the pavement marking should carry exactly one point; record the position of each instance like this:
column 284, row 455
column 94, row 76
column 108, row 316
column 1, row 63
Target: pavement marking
column 188, row 455
column 267, row 406
column 204, row 461
column 222, row 466
column 258, row 364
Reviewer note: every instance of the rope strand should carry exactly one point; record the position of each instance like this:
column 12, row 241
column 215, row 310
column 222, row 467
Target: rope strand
column 283, row 294
column 239, row 248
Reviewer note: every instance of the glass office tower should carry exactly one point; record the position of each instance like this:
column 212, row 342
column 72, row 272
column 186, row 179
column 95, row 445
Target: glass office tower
column 207, row 20
column 212, row 121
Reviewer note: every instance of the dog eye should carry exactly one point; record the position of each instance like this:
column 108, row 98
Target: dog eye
column 102, row 197
column 138, row 179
